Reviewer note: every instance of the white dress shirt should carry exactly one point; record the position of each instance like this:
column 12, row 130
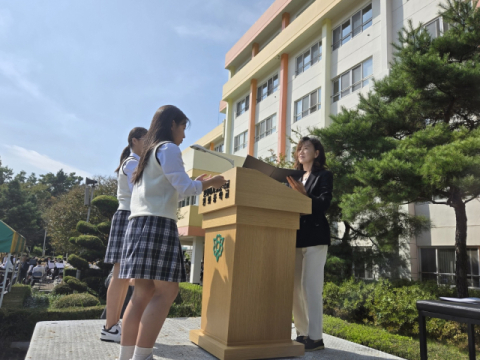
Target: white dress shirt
column 170, row 158
column 129, row 167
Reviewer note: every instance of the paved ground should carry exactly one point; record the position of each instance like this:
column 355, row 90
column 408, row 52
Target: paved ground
column 80, row 340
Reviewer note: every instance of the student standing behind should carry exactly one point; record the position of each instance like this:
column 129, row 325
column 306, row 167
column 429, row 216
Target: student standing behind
column 118, row 288
column 313, row 239
column 152, row 254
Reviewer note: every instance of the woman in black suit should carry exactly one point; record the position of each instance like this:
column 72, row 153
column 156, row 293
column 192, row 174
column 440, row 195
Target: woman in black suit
column 313, row 239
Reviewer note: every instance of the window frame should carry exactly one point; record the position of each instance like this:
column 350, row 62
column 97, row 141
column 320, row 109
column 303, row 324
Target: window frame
column 352, row 87
column 264, row 91
column 237, row 145
column 439, row 275
column 262, row 130
column 312, row 61
column 342, row 39
column 442, row 26
column 246, row 106
column 219, row 148
column 303, row 113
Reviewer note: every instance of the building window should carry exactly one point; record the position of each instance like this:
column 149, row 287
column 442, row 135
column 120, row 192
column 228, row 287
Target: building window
column 363, row 269
column 242, row 106
column 353, row 80
column 438, row 264
column 267, row 88
column 188, row 201
column 219, row 148
column 437, row 27
column 265, row 127
column 240, row 141
column 359, row 22
column 308, row 58
column 307, row 105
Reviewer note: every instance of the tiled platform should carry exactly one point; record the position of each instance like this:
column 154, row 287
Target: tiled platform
column 77, row 340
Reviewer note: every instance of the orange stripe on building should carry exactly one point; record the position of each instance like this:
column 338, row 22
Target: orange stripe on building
column 282, row 113
column 285, row 20
column 253, row 110
column 255, row 49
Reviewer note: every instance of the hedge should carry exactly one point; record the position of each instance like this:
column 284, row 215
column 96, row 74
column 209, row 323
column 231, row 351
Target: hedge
column 76, row 285
column 17, row 296
column 62, row 289
column 402, row 346
column 70, row 272
column 90, row 242
column 77, row 300
column 104, row 227
column 18, row 325
column 107, row 205
column 78, row 262
column 84, row 227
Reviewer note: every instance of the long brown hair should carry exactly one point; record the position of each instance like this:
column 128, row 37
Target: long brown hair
column 160, row 130
column 319, row 162
column 137, row 133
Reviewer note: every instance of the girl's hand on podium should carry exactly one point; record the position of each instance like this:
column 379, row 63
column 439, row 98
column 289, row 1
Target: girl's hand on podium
column 296, row 185
column 203, row 177
column 216, row 182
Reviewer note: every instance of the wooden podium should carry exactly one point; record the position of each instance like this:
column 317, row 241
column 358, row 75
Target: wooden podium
column 250, row 233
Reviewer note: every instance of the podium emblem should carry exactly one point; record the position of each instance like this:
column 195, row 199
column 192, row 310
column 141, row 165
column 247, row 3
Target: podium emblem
column 218, row 246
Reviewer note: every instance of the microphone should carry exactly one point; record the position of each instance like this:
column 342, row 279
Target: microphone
column 202, row 149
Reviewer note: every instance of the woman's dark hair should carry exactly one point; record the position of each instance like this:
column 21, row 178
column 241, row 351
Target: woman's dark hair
column 319, row 162
column 160, row 130
column 136, row 133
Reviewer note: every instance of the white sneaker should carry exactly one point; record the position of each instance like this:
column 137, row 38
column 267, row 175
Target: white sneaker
column 114, row 334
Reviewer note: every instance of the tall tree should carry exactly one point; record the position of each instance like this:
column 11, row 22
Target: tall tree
column 61, row 182
column 415, row 137
column 18, row 209
column 6, row 174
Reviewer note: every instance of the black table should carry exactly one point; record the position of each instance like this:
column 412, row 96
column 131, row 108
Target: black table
column 448, row 310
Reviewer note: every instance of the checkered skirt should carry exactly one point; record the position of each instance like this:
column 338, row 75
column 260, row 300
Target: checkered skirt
column 116, row 238
column 152, row 250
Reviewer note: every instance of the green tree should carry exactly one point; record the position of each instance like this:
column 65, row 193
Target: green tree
column 415, row 137
column 61, row 182
column 6, row 174
column 19, row 210
column 68, row 209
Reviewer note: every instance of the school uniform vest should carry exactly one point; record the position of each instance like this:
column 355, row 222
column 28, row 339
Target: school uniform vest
column 154, row 195
column 123, row 190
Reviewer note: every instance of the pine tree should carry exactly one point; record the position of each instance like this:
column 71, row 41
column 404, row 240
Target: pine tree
column 416, row 136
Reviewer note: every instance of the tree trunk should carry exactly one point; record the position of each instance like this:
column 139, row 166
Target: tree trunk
column 461, row 266
column 347, row 251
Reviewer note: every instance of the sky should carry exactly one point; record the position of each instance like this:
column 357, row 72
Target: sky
column 77, row 76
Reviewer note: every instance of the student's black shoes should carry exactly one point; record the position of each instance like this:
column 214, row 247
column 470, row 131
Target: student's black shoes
column 301, row 339
column 313, row 345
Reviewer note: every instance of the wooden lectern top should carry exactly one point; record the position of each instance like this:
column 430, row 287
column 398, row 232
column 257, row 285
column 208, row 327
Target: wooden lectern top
column 251, row 188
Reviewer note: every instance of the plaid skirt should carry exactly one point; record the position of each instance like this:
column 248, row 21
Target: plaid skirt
column 152, row 250
column 116, row 237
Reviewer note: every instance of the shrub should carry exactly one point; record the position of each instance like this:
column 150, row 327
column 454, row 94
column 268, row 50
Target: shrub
column 92, row 272
column 402, row 346
column 104, row 227
column 97, row 284
column 92, row 255
column 90, row 242
column 59, row 257
column 77, row 285
column 84, row 227
column 78, row 262
column 106, row 205
column 77, row 300
column 37, row 251
column 70, row 272
column 18, row 325
column 67, row 278
column 62, row 289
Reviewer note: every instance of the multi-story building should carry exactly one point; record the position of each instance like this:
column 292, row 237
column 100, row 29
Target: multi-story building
column 302, row 61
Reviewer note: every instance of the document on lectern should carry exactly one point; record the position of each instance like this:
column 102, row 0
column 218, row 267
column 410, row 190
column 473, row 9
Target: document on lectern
column 278, row 174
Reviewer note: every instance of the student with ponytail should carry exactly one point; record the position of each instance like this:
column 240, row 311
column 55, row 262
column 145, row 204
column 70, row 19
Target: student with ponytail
column 117, row 289
column 152, row 254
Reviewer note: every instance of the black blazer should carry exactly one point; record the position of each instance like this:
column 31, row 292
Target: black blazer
column 314, row 228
